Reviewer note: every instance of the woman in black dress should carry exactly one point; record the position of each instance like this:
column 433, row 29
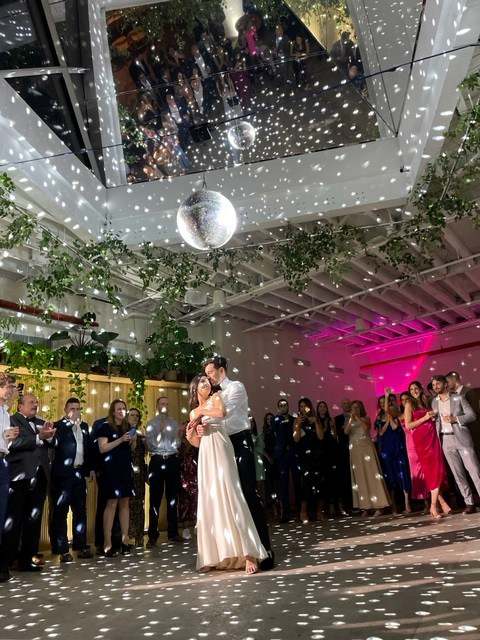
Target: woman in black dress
column 114, row 444
column 308, row 434
column 331, row 458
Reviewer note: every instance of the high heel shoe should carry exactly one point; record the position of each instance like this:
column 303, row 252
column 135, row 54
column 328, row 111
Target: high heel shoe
column 110, row 553
column 435, row 515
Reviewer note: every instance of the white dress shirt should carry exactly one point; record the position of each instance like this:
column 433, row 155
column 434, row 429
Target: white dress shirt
column 235, row 399
column 444, row 409
column 78, row 434
column 162, row 436
column 4, row 424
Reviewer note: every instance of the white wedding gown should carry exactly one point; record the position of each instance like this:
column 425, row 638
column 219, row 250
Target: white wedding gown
column 226, row 533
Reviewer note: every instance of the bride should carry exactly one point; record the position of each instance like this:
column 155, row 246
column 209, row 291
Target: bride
column 226, row 535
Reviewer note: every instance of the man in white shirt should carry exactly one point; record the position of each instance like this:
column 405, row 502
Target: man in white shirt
column 237, row 426
column 163, row 439
column 453, row 414
column 72, row 464
column 8, row 389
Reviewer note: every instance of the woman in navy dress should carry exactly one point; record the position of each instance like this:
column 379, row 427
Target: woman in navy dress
column 392, row 449
column 114, row 444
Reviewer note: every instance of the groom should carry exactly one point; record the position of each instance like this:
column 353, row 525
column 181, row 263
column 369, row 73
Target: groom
column 237, row 426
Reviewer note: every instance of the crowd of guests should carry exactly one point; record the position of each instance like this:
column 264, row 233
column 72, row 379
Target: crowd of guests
column 421, row 450
column 44, row 461
column 216, row 78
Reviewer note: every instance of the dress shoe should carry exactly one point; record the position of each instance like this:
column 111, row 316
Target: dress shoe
column 470, row 508
column 176, row 538
column 4, row 575
column 84, row 554
column 66, row 557
column 29, row 566
column 269, row 562
column 126, row 548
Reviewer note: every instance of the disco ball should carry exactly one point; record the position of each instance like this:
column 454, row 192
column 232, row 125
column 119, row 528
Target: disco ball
column 241, row 135
column 206, row 220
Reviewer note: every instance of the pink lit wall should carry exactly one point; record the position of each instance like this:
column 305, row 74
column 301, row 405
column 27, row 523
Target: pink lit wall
column 281, row 361
column 396, row 365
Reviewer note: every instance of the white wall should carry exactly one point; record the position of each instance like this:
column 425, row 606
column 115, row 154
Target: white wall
column 267, row 362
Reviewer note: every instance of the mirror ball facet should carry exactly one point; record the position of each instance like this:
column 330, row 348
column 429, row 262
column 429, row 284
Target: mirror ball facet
column 206, row 220
column 241, row 135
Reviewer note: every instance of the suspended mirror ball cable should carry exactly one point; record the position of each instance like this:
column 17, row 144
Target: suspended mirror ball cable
column 206, row 220
column 241, row 135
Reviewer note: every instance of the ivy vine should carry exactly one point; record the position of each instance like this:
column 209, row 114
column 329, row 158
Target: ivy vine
column 444, row 194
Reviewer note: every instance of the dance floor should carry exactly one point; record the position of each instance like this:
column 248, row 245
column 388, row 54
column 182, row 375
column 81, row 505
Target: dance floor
column 402, row 578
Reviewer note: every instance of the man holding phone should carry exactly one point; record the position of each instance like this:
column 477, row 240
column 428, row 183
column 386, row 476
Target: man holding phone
column 72, row 464
column 453, row 414
column 163, row 440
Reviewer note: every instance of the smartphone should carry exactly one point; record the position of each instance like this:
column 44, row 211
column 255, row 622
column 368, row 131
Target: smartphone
column 132, row 432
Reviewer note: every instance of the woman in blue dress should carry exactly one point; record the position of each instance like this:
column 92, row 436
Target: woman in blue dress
column 392, row 449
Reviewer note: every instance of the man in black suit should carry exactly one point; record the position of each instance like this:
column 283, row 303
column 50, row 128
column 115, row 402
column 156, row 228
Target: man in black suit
column 345, row 490
column 71, row 466
column 286, row 464
column 28, row 486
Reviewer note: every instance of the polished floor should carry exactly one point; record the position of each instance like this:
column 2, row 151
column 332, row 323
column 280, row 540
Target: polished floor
column 405, row 578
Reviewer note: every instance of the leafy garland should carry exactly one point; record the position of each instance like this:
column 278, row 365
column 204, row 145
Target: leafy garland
column 93, row 267
column 156, row 22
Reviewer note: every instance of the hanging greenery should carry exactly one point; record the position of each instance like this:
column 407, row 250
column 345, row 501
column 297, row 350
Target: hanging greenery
column 92, row 268
column 172, row 350
column 177, row 16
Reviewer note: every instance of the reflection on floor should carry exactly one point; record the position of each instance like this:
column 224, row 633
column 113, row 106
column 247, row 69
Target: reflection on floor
column 404, row 578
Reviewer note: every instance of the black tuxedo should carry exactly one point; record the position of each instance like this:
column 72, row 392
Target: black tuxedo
column 65, row 450
column 69, row 489
column 29, row 473
column 22, row 455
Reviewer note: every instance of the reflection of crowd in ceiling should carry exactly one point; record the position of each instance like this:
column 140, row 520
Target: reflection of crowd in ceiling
column 177, row 103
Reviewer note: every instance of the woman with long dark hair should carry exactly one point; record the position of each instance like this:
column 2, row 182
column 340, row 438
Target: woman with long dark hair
column 392, row 449
column 307, row 434
column 419, row 488
column 421, row 421
column 331, row 458
column 114, row 443
column 226, row 534
column 368, row 485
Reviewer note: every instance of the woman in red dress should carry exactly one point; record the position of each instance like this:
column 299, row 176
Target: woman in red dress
column 421, row 422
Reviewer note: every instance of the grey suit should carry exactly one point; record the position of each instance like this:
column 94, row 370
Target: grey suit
column 473, row 398
column 458, row 447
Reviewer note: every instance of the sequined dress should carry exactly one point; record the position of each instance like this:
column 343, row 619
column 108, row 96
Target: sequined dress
column 368, row 485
